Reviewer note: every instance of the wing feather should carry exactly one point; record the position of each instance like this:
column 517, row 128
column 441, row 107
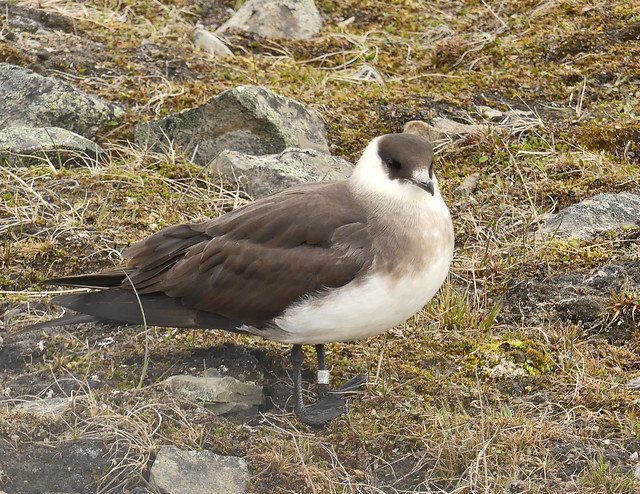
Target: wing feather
column 246, row 266
column 256, row 261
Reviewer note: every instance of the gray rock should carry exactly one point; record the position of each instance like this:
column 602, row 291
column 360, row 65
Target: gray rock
column 594, row 216
column 579, row 296
column 368, row 73
column 220, row 395
column 586, row 309
column 634, row 383
column 49, row 407
column 54, row 468
column 21, row 347
column 187, row 472
column 441, row 128
column 60, row 147
column 295, row 19
column 209, row 42
column 490, row 114
column 29, row 99
column 248, row 119
column 468, row 185
column 264, row 175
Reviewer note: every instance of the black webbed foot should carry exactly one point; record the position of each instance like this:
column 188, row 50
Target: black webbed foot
column 330, row 404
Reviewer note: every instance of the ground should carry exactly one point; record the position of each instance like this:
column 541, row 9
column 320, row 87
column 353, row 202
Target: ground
column 473, row 394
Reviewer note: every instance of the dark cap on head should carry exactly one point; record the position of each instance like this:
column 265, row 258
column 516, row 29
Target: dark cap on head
column 403, row 154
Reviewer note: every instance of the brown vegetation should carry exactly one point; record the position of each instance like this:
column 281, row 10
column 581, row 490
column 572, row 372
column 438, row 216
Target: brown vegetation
column 437, row 416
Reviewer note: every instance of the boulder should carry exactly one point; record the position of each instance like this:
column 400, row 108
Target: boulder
column 46, row 407
column 594, row 216
column 184, row 472
column 209, row 42
column 295, row 19
column 248, row 119
column 32, row 100
column 580, row 297
column 56, row 467
column 264, row 175
column 59, row 147
column 219, row 394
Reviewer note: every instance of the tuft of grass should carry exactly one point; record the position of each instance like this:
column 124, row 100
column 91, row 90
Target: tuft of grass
column 624, row 304
column 603, row 477
column 463, row 309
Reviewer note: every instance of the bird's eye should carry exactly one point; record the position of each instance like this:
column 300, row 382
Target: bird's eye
column 393, row 164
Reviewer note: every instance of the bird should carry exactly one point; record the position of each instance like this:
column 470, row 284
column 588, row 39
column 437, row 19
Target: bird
column 318, row 263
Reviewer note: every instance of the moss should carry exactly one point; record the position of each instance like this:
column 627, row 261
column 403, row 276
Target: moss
column 614, row 137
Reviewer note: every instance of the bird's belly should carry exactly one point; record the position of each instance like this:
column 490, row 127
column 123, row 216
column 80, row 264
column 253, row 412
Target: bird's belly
column 360, row 309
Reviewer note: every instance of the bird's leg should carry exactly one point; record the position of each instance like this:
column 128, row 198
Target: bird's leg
column 330, row 404
column 323, row 372
column 324, row 377
column 297, row 357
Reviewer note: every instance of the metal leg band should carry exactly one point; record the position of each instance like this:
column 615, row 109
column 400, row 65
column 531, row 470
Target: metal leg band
column 323, row 376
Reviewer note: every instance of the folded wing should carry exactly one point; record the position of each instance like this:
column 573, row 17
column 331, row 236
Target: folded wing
column 244, row 267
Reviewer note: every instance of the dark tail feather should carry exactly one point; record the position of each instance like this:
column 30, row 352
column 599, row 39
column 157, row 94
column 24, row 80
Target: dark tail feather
column 107, row 279
column 123, row 307
column 159, row 309
column 60, row 321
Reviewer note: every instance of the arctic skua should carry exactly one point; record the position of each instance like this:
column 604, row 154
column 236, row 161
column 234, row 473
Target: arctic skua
column 318, row 263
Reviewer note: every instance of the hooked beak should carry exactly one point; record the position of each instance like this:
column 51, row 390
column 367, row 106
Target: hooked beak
column 423, row 181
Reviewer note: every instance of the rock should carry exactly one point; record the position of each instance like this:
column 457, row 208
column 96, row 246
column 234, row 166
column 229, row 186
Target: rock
column 209, row 42
column 468, row 185
column 186, row 472
column 53, row 407
column 21, row 348
column 264, row 175
column 220, row 395
column 596, row 215
column 368, row 73
column 60, row 147
column 247, row 119
column 441, row 128
column 29, row 99
column 506, row 368
column 60, row 467
column 579, row 296
column 511, row 121
column 490, row 114
column 585, row 309
column 295, row 19
column 634, row 384
column 21, row 18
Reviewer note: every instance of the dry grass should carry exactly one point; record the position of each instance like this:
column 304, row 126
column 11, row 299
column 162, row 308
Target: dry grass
column 465, row 397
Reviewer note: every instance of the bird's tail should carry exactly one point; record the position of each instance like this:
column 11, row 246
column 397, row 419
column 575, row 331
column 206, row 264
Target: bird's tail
column 71, row 318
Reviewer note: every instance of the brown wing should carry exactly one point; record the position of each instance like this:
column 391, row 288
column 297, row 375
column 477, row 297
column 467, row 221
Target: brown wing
column 250, row 264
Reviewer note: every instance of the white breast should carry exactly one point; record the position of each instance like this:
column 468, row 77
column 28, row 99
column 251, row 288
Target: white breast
column 380, row 300
column 361, row 309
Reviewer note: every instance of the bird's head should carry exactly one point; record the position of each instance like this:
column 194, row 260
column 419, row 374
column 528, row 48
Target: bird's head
column 398, row 164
